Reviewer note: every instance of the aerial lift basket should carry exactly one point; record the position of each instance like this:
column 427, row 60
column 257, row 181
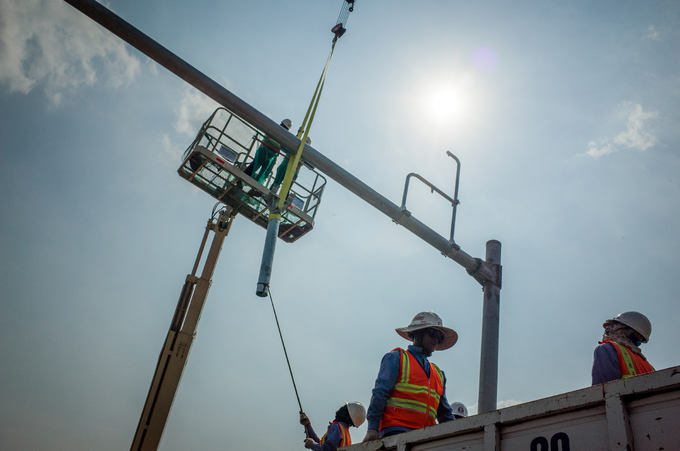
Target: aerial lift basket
column 215, row 162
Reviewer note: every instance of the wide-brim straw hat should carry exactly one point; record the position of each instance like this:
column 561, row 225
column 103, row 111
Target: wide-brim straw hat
column 427, row 320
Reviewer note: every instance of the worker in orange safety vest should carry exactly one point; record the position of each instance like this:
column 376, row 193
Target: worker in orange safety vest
column 337, row 435
column 409, row 391
column 618, row 356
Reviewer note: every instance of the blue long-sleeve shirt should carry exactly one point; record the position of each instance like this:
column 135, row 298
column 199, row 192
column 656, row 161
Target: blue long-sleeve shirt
column 384, row 383
column 333, row 438
column 605, row 364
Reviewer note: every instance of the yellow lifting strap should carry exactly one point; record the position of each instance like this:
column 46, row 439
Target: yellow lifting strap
column 303, row 132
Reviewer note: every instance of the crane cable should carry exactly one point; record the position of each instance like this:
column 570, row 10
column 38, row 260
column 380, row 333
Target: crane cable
column 303, row 132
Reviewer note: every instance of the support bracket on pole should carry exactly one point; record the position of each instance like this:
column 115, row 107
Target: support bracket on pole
column 486, row 272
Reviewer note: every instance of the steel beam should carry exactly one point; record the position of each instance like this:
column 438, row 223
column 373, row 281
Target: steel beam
column 209, row 87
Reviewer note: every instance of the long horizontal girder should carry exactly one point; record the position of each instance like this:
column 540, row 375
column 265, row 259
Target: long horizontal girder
column 134, row 37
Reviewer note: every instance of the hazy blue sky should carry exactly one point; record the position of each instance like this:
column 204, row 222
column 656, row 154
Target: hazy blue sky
column 565, row 116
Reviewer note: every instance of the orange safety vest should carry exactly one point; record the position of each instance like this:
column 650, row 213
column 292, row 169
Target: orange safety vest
column 630, row 363
column 271, row 144
column 344, row 430
column 414, row 400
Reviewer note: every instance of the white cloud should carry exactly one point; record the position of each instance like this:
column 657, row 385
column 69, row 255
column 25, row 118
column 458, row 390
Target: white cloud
column 47, row 42
column 636, row 135
column 194, row 109
column 653, row 33
column 170, row 153
column 593, row 151
column 152, row 65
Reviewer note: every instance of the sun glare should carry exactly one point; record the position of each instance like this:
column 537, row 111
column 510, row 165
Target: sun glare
column 448, row 101
column 445, row 103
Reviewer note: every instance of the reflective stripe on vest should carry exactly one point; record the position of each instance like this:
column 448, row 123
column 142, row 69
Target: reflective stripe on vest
column 344, row 430
column 630, row 364
column 627, row 361
column 414, row 399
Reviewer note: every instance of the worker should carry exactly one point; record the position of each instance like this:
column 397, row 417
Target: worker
column 459, row 410
column 618, row 355
column 281, row 170
column 265, row 156
column 410, row 392
column 337, row 435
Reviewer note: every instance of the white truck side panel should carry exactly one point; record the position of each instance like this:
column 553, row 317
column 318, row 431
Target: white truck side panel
column 582, row 429
column 655, row 421
column 640, row 413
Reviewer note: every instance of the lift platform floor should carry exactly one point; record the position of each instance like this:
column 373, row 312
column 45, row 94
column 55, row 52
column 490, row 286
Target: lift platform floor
column 214, row 174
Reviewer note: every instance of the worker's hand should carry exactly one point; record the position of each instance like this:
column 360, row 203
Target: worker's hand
column 304, row 420
column 309, row 443
column 371, row 435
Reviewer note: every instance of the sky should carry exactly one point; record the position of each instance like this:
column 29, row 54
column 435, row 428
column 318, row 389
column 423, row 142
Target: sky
column 565, row 117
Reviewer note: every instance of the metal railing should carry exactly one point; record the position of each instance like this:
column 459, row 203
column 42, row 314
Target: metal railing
column 226, row 132
column 454, row 201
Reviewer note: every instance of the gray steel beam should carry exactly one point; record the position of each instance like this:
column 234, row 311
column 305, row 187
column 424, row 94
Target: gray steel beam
column 209, row 87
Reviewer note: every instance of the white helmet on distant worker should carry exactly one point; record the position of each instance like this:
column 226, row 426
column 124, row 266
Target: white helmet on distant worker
column 636, row 321
column 287, row 124
column 357, row 412
column 308, row 141
column 459, row 409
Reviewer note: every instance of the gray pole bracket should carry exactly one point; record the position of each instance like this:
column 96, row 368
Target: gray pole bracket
column 403, row 217
column 486, row 272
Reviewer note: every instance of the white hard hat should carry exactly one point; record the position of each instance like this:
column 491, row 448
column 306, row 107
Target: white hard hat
column 308, row 141
column 459, row 409
column 424, row 320
column 287, row 124
column 636, row 321
column 357, row 412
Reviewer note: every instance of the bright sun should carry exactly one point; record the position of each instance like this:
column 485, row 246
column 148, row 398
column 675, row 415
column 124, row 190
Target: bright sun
column 445, row 103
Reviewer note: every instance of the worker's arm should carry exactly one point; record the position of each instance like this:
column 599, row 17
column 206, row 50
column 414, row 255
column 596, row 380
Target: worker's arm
column 384, row 383
column 444, row 411
column 331, row 442
column 605, row 364
column 304, row 420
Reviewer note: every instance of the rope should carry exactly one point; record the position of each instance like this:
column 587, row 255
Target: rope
column 269, row 292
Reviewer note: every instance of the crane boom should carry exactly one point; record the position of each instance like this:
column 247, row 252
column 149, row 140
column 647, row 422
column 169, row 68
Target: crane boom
column 180, row 336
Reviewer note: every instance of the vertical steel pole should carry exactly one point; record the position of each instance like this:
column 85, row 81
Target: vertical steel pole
column 488, row 368
column 269, row 249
